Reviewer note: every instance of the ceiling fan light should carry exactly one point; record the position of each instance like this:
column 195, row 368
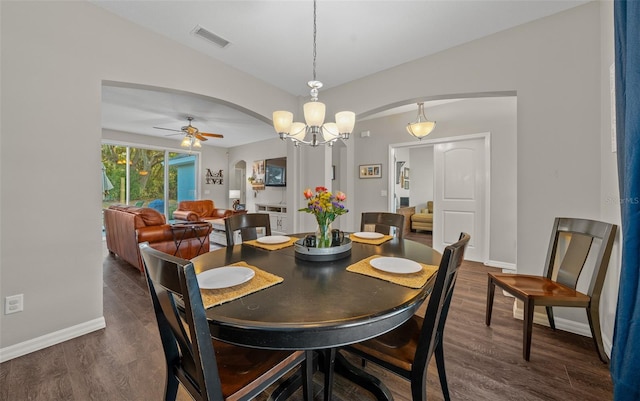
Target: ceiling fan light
column 196, row 143
column 314, row 113
column 186, row 142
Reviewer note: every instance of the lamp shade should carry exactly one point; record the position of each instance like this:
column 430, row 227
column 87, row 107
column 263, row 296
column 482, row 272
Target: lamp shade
column 420, row 130
column 330, row 131
column 282, row 121
column 422, row 126
column 314, row 113
column 234, row 194
column 345, row 120
column 298, row 131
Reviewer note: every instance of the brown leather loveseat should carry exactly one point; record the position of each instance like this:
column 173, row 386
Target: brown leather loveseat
column 127, row 226
column 201, row 210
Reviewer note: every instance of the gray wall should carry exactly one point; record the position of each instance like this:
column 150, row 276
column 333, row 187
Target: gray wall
column 496, row 115
column 55, row 56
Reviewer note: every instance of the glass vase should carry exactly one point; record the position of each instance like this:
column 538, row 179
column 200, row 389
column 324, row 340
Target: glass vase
column 323, row 234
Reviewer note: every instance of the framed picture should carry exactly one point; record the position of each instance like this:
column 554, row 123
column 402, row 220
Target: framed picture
column 406, row 173
column 371, row 171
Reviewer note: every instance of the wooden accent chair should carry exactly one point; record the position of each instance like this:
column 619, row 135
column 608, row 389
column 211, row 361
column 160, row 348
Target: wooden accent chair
column 383, row 222
column 208, row 369
column 247, row 224
column 563, row 267
column 407, row 349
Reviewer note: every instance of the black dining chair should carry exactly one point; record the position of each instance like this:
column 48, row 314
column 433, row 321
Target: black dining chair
column 383, row 222
column 247, row 224
column 209, row 370
column 572, row 242
column 407, row 349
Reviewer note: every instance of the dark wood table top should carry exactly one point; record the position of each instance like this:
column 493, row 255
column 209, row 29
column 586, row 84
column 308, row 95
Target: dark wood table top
column 320, row 304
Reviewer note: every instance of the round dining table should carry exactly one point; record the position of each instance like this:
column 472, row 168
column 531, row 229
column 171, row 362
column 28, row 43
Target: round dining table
column 319, row 305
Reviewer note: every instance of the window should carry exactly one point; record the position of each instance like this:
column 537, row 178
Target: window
column 143, row 177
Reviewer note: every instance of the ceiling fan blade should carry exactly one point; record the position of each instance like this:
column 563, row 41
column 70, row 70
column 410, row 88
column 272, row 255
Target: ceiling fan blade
column 168, row 129
column 201, row 138
column 211, row 135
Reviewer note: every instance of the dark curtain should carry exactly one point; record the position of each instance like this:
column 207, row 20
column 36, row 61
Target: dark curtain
column 625, row 355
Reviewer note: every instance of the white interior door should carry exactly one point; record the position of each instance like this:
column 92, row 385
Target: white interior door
column 460, row 204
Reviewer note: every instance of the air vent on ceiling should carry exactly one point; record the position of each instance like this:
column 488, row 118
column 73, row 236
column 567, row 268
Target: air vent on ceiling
column 210, row 36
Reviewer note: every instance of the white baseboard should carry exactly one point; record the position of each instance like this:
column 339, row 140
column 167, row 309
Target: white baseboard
column 57, row 337
column 506, row 267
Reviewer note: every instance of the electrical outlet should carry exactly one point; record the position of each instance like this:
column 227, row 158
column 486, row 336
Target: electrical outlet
column 13, row 304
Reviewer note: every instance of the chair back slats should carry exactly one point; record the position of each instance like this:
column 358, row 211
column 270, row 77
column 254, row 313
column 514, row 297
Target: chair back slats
column 383, row 222
column 574, row 259
column 188, row 350
column 584, row 235
column 438, row 306
column 247, row 224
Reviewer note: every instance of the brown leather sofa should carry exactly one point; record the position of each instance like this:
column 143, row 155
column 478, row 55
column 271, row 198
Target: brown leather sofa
column 424, row 219
column 127, row 226
column 202, row 210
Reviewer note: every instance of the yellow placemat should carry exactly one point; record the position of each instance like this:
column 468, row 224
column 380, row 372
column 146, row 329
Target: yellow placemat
column 271, row 247
column 260, row 281
column 376, row 241
column 411, row 280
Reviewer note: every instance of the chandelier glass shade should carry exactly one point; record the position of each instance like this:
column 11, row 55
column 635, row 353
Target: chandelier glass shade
column 422, row 126
column 314, row 131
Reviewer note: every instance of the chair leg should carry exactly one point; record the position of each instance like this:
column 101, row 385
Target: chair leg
column 442, row 374
column 596, row 333
column 529, row 307
column 171, row 387
column 552, row 322
column 491, row 289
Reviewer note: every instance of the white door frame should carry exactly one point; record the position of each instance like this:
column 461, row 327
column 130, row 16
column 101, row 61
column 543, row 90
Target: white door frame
column 430, row 142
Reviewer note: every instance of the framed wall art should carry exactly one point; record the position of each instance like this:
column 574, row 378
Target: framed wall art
column 371, row 171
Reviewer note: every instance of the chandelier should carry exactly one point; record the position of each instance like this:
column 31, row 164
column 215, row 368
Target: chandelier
column 314, row 131
column 422, row 127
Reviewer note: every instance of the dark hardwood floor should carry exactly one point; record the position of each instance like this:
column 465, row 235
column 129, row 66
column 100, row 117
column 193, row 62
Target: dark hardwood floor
column 124, row 361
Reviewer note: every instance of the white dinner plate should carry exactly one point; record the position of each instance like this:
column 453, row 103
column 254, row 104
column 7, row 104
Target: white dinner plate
column 223, row 277
column 368, row 235
column 273, row 239
column 396, row 265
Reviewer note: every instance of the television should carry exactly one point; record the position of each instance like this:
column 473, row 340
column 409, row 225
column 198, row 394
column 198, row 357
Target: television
column 275, row 172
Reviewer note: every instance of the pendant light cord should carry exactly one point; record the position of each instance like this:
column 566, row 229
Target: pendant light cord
column 315, row 29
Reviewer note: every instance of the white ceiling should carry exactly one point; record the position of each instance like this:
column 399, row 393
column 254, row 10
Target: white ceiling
column 272, row 40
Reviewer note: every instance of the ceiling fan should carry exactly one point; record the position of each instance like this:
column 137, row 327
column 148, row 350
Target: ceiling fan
column 192, row 135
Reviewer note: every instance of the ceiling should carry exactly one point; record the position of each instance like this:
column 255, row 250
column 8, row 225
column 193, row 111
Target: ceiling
column 354, row 39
